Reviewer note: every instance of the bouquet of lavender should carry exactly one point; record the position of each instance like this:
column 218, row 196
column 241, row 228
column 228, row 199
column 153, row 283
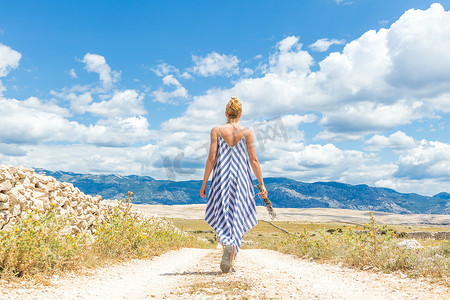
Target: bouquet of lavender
column 268, row 204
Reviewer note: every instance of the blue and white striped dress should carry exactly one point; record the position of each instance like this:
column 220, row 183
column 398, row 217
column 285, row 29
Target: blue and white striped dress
column 231, row 209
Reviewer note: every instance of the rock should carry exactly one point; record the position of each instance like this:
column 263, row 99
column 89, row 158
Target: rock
column 15, row 196
column 247, row 242
column 26, row 182
column 38, row 205
column 50, row 186
column 22, row 190
column 16, row 210
column 7, row 176
column 4, row 205
column 5, row 185
column 36, row 194
column 3, row 198
column 409, row 244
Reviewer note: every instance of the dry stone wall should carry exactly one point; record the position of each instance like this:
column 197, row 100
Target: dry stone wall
column 23, row 191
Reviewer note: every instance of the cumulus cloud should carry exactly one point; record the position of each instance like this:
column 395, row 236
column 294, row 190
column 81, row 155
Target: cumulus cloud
column 369, row 116
column 323, row 45
column 11, row 150
column 90, row 159
column 429, row 159
column 79, row 103
column 396, row 141
column 97, row 63
column 163, row 96
column 215, row 64
column 9, row 59
column 418, row 45
column 123, row 103
column 32, row 121
column 290, row 58
column 118, row 132
column 352, row 94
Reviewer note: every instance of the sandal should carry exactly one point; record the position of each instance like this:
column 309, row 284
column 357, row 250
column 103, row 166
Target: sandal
column 225, row 264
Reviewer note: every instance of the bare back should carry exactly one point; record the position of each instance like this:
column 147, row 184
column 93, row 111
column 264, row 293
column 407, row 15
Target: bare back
column 232, row 135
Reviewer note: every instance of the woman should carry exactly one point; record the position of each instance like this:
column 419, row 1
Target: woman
column 231, row 210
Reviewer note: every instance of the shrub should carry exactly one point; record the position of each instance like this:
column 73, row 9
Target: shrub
column 40, row 245
column 377, row 248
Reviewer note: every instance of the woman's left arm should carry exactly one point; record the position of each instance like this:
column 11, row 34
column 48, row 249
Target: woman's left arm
column 210, row 161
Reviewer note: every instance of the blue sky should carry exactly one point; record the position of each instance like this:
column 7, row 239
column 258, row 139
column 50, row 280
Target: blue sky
column 351, row 91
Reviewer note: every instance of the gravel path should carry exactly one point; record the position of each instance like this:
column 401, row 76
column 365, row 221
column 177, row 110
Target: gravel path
column 260, row 274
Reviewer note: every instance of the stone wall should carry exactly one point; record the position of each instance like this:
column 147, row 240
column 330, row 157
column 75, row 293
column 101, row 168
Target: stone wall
column 22, row 191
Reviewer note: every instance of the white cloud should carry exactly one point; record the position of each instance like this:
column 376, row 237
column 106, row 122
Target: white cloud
column 72, row 73
column 355, row 94
column 9, row 59
column 427, row 160
column 90, row 159
column 418, row 46
column 247, row 72
column 97, row 63
column 164, row 69
column 186, row 75
column 323, row 45
column 215, row 64
column 396, row 141
column 79, row 104
column 118, row 132
column 344, row 2
column 316, row 156
column 289, row 43
column 290, row 58
column 11, row 150
column 365, row 117
column 32, row 121
column 163, row 96
column 122, row 104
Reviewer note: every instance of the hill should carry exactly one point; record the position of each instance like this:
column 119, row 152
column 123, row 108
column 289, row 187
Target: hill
column 284, row 192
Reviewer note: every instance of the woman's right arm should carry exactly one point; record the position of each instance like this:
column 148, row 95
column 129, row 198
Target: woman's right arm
column 254, row 162
column 210, row 161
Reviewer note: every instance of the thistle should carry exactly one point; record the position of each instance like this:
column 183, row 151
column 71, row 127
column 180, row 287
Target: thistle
column 268, row 204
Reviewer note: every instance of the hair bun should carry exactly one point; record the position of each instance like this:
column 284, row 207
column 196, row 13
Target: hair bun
column 234, row 107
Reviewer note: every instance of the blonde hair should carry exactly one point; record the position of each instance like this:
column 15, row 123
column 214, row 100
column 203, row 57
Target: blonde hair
column 234, row 108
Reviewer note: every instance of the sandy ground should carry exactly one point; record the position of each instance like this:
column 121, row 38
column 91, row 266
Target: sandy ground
column 197, row 211
column 260, row 274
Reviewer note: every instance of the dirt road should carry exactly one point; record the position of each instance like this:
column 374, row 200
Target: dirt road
column 260, row 274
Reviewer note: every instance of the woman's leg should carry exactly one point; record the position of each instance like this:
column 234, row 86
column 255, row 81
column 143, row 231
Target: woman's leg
column 227, row 256
column 232, row 257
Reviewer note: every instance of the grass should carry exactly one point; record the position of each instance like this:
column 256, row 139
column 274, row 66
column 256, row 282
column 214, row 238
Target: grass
column 338, row 243
column 226, row 288
column 40, row 245
column 372, row 250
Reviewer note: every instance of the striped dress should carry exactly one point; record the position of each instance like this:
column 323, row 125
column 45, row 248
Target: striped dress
column 231, row 209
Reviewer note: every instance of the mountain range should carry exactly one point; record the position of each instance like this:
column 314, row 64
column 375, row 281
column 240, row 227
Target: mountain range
column 283, row 192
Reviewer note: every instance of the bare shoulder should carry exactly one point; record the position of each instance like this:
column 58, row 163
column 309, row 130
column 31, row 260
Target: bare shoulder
column 215, row 131
column 248, row 133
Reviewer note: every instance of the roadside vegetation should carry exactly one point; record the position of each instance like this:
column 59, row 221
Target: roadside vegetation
column 41, row 245
column 370, row 246
column 376, row 248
